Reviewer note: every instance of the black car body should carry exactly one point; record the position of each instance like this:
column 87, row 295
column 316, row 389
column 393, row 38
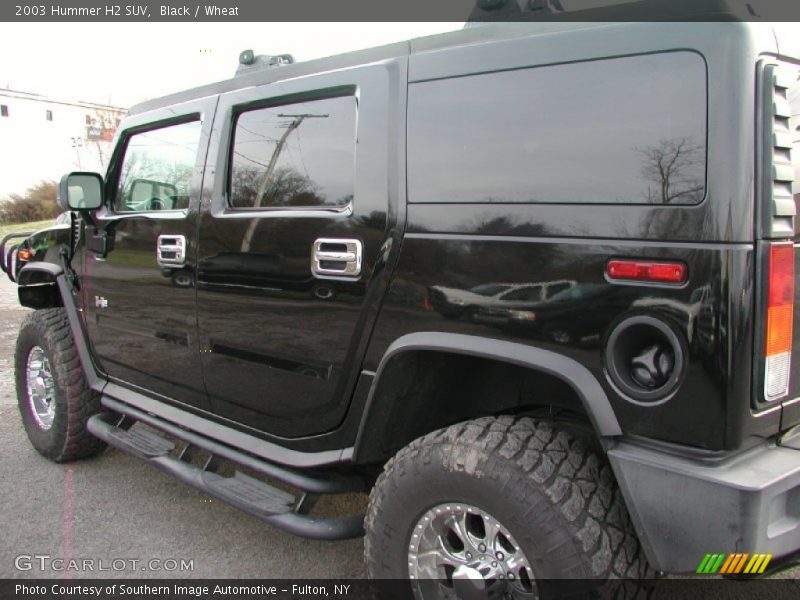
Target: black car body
column 510, row 154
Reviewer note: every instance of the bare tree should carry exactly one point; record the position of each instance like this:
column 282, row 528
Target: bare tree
column 675, row 168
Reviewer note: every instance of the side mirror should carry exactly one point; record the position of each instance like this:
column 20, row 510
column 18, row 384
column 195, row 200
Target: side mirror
column 81, row 192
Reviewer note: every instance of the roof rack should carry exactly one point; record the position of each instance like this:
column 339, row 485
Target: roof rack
column 249, row 61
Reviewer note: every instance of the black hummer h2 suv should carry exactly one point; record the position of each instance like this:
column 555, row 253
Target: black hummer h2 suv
column 532, row 287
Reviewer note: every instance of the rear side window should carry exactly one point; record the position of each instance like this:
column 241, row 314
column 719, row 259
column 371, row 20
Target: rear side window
column 157, row 169
column 294, row 155
column 625, row 130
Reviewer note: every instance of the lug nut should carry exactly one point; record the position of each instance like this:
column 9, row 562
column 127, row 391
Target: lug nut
column 500, row 556
column 469, row 554
column 494, row 564
column 511, row 576
column 482, row 547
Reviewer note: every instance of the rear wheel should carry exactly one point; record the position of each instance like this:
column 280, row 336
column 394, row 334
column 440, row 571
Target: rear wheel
column 503, row 508
column 53, row 397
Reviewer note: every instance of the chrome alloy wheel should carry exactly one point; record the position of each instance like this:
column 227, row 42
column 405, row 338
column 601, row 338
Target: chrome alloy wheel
column 460, row 551
column 41, row 388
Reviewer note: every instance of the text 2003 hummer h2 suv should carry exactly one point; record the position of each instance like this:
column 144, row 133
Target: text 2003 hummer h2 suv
column 534, row 287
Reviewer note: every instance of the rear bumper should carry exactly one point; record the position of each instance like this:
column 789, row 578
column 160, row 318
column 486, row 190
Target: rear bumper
column 683, row 509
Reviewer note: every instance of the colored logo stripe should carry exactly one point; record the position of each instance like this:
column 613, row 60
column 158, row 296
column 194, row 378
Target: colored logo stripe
column 758, row 563
column 710, row 563
column 736, row 563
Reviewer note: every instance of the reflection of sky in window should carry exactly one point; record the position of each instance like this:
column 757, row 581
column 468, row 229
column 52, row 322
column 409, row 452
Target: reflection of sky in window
column 567, row 133
column 165, row 155
column 321, row 148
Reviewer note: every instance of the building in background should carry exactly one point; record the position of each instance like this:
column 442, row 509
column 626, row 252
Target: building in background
column 41, row 138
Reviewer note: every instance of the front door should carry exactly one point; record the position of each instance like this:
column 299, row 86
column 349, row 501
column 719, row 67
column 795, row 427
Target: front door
column 303, row 204
column 139, row 298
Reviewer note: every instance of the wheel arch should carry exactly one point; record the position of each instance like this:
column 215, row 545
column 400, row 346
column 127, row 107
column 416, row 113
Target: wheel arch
column 38, row 285
column 52, row 278
column 382, row 402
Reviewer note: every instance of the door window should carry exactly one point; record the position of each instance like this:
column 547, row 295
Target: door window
column 529, row 293
column 295, row 155
column 157, row 169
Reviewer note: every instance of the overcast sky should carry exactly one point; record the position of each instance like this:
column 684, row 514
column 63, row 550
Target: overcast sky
column 125, row 63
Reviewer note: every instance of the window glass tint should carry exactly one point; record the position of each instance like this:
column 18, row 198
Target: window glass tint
column 531, row 293
column 626, row 130
column 295, row 155
column 157, row 169
column 489, row 289
column 557, row 288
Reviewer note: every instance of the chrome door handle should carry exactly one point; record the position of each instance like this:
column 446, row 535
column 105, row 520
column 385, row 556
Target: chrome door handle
column 171, row 250
column 332, row 258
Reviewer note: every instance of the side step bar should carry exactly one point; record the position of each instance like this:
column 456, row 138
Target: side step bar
column 324, row 483
column 265, row 502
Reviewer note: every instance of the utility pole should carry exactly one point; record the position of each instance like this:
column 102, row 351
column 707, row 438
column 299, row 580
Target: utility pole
column 297, row 120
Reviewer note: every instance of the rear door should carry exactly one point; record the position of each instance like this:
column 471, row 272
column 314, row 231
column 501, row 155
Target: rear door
column 292, row 248
column 139, row 298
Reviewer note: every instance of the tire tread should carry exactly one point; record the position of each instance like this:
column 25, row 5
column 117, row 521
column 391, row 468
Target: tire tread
column 51, row 328
column 577, row 482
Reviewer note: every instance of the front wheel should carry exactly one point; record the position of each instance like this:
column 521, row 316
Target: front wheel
column 502, row 507
column 54, row 399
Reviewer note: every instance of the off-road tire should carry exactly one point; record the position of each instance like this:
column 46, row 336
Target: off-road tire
column 557, row 498
column 67, row 438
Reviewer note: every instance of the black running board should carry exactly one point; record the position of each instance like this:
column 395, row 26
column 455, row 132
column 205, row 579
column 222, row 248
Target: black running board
column 316, row 482
column 253, row 496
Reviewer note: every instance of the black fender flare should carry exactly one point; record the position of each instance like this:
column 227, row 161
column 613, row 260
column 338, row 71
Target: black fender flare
column 592, row 395
column 45, row 273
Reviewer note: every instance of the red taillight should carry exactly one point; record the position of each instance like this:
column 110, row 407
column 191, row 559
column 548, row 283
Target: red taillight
column 780, row 313
column 781, row 275
column 642, row 270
